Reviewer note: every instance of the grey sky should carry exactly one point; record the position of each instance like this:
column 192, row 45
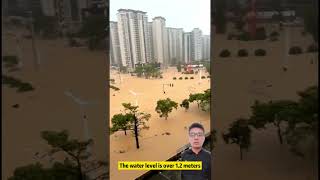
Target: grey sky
column 186, row 14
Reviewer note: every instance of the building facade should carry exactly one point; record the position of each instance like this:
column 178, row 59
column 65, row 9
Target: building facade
column 149, row 43
column 197, row 44
column 132, row 29
column 175, row 45
column 115, row 54
column 160, row 40
column 187, row 47
column 206, row 47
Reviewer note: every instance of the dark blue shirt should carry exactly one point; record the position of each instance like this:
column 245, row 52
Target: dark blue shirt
column 205, row 157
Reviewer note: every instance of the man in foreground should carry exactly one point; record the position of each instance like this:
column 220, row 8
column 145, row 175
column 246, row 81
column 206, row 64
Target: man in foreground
column 197, row 153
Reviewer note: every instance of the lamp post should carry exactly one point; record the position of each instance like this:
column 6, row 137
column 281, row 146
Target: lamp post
column 82, row 104
column 36, row 54
column 135, row 95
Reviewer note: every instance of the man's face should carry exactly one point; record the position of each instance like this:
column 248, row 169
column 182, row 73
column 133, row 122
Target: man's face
column 196, row 137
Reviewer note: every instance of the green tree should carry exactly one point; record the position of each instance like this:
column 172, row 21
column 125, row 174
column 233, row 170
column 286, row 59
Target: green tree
column 203, row 99
column 274, row 112
column 304, row 124
column 121, row 122
column 179, row 66
column 16, row 83
column 139, row 71
column 30, row 172
column 239, row 133
column 76, row 150
column 185, row 104
column 165, row 106
column 59, row 171
column 76, row 165
column 137, row 119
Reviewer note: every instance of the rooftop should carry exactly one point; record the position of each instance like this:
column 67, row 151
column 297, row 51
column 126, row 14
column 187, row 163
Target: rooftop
column 131, row 10
column 159, row 17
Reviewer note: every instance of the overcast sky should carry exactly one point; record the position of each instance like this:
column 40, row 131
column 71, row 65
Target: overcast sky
column 186, row 14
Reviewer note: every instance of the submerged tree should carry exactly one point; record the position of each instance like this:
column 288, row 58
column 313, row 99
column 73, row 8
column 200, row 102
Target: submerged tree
column 121, row 122
column 304, row 125
column 165, row 106
column 179, row 66
column 77, row 165
column 274, row 112
column 239, row 133
column 203, row 99
column 185, row 104
column 132, row 120
column 36, row 171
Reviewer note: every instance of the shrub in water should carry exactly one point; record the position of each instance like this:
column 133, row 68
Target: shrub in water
column 260, row 52
column 243, row 53
column 225, row 53
column 295, row 50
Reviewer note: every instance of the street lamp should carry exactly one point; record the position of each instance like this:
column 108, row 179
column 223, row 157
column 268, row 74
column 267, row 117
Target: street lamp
column 82, row 104
column 164, row 85
column 135, row 95
column 36, row 55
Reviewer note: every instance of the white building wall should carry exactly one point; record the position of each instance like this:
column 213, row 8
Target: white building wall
column 197, row 44
column 160, row 40
column 206, row 46
column 187, row 47
column 132, row 36
column 114, row 44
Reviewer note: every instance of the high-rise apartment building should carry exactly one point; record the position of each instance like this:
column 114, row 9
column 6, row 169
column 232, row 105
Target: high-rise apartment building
column 187, row 47
column 197, row 44
column 115, row 53
column 149, row 43
column 206, row 47
column 132, row 29
column 160, row 40
column 175, row 44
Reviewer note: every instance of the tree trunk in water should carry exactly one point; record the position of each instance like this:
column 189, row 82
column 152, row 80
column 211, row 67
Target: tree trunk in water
column 240, row 153
column 79, row 170
column 125, row 132
column 136, row 131
column 279, row 134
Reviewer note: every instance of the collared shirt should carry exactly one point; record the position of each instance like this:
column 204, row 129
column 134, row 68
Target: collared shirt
column 205, row 157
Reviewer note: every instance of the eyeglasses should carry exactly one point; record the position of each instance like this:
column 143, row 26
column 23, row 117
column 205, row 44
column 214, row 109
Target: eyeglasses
column 199, row 134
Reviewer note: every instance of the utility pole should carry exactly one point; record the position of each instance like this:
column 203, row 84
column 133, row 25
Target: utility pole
column 33, row 40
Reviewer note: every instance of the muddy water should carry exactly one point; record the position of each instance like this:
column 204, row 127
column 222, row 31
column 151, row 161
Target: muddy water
column 154, row 144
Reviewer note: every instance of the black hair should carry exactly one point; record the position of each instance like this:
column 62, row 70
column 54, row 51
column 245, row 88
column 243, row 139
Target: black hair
column 196, row 125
